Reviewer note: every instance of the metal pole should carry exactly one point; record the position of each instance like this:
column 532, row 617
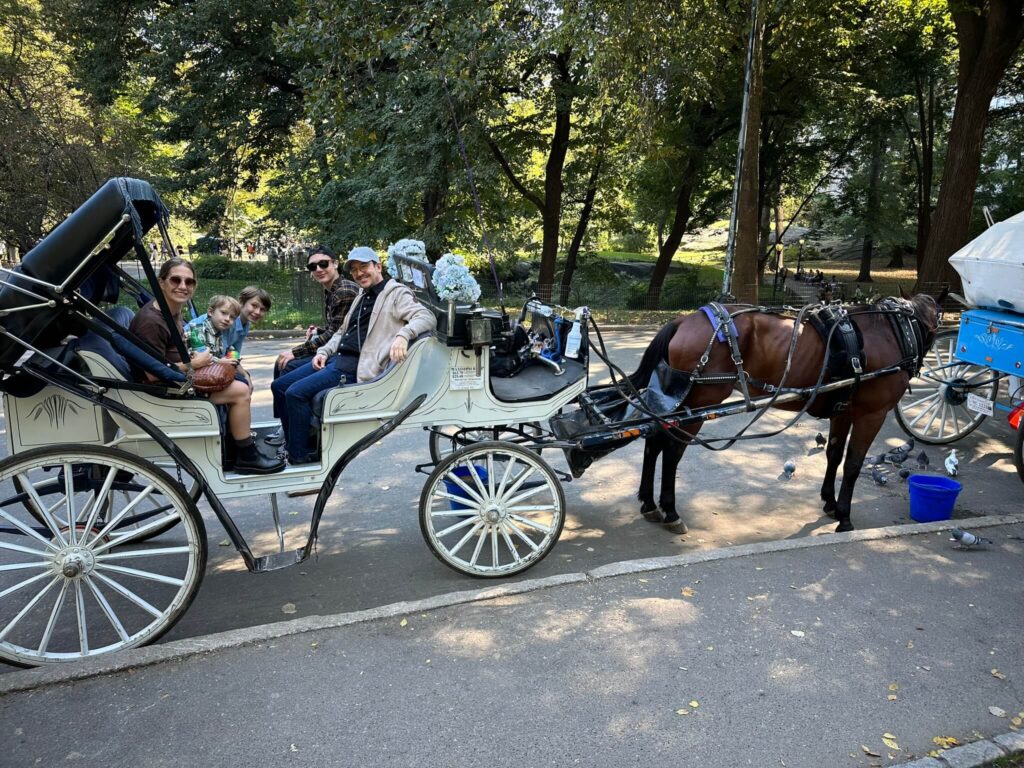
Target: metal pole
column 730, row 248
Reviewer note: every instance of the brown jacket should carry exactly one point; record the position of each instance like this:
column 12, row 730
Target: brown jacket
column 395, row 313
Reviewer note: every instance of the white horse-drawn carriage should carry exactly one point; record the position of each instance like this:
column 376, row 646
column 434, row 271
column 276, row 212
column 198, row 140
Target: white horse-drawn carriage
column 102, row 546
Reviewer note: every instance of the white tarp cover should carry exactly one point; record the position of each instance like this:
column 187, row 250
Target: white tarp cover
column 992, row 266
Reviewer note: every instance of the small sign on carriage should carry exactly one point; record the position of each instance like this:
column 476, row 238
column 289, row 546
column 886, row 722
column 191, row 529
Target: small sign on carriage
column 466, row 376
column 979, row 404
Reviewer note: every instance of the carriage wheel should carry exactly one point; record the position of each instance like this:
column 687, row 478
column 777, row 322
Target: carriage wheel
column 444, row 441
column 934, row 409
column 492, row 509
column 74, row 582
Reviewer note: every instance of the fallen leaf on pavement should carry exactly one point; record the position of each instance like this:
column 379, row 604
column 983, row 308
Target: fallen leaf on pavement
column 945, row 741
column 694, row 704
column 997, row 711
column 796, row 632
column 288, row 608
column 867, row 751
column 224, row 543
column 403, row 622
column 894, row 687
column 998, row 674
column 682, row 711
column 890, row 741
column 293, row 748
column 688, row 592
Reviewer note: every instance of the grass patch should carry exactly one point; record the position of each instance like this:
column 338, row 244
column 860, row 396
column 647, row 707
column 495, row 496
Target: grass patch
column 715, row 255
column 885, row 282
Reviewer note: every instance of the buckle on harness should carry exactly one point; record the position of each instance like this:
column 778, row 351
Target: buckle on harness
column 855, row 364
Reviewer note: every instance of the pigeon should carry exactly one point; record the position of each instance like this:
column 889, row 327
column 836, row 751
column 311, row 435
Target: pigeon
column 922, row 460
column 904, row 473
column 900, row 453
column 966, row 539
column 952, row 463
column 879, row 476
column 820, row 441
column 788, row 469
column 874, row 461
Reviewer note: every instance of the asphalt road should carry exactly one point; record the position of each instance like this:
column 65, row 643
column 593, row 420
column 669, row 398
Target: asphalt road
column 371, row 553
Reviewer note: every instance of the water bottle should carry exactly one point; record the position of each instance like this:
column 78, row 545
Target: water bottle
column 195, row 341
column 575, row 337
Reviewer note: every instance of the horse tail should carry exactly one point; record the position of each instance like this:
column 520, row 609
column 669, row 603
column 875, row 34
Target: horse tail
column 656, row 351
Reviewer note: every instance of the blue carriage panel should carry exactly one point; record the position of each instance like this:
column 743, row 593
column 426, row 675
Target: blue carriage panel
column 992, row 339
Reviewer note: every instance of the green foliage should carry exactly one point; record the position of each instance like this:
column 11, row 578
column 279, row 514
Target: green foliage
column 254, row 272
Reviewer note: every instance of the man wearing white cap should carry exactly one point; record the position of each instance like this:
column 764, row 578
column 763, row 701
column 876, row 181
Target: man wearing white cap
column 383, row 319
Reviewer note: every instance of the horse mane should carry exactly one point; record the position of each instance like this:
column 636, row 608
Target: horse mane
column 656, row 351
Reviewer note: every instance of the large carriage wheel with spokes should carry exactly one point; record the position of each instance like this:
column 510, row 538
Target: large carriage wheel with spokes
column 934, row 409
column 444, row 441
column 74, row 580
column 492, row 509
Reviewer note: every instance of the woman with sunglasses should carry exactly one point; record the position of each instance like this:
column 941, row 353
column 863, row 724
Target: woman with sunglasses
column 177, row 279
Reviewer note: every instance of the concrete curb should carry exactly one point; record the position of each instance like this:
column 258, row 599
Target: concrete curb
column 977, row 754
column 178, row 650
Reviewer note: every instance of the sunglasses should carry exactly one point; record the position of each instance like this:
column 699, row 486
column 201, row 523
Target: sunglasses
column 190, row 282
column 313, row 266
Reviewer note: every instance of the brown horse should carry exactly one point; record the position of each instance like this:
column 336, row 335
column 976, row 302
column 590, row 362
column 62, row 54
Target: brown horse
column 764, row 341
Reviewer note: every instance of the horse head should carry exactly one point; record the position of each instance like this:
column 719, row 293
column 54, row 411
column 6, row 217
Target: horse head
column 928, row 311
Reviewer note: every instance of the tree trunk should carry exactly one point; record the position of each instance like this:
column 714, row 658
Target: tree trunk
column 744, row 279
column 872, row 209
column 988, row 34
column 581, row 231
column 681, row 219
column 780, row 248
column 551, row 214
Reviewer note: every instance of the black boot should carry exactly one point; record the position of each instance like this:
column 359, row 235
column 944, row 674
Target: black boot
column 249, row 461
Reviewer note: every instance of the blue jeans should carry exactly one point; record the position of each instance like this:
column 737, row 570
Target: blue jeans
column 291, row 365
column 293, row 399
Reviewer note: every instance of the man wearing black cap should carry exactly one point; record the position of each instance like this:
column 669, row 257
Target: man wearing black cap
column 377, row 330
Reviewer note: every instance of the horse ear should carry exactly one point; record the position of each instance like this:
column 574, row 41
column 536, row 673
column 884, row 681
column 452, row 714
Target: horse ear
column 942, row 295
column 903, row 294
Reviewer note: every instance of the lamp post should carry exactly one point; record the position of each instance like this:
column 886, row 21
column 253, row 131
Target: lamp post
column 799, row 255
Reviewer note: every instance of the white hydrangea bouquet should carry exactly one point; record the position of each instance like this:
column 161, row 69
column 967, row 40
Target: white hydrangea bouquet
column 453, row 281
column 408, row 248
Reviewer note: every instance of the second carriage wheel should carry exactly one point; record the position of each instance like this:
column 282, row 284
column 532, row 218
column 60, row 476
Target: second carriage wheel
column 74, row 581
column 934, row 409
column 492, row 509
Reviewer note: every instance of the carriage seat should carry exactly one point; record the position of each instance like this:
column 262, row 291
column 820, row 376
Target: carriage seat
column 536, row 382
column 320, row 398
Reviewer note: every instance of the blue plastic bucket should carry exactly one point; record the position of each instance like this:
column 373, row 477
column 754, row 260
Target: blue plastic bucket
column 932, row 497
column 462, row 472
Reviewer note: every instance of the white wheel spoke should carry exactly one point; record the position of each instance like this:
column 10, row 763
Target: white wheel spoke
column 52, row 621
column 28, row 531
column 143, row 553
column 518, row 482
column 452, row 477
column 467, row 503
column 146, row 575
column 494, row 547
column 31, row 604
column 138, row 533
column 31, row 580
column 126, row 593
column 522, row 536
column 24, row 550
column 99, row 501
column 531, row 524
column 113, row 522
column 490, row 475
column 477, row 480
column 83, row 625
column 477, row 527
column 459, row 525
column 505, row 476
column 528, row 493
column 535, row 508
column 69, row 502
column 476, row 550
column 922, row 401
column 105, row 605
column 46, row 513
column 511, row 546
column 24, row 566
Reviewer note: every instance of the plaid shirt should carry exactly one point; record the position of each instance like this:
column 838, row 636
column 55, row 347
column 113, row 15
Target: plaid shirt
column 336, row 303
column 211, row 336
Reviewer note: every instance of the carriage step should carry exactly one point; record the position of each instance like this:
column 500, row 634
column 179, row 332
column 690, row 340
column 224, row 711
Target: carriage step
column 278, row 560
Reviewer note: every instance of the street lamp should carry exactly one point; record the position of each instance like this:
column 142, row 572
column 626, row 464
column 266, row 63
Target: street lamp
column 799, row 255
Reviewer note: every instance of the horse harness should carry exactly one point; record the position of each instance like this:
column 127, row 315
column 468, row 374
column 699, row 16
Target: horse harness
column 844, row 355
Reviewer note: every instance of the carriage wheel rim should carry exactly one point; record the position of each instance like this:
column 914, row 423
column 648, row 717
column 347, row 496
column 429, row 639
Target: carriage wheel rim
column 498, row 522
column 70, row 591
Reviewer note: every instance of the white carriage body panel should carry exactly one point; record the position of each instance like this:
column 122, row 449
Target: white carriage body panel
column 992, row 266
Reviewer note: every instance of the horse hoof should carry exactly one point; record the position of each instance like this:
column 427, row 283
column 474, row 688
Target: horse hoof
column 830, row 509
column 676, row 526
column 844, row 525
column 651, row 514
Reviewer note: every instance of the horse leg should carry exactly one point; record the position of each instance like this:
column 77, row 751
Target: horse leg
column 671, row 456
column 652, row 447
column 838, row 432
column 865, row 429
